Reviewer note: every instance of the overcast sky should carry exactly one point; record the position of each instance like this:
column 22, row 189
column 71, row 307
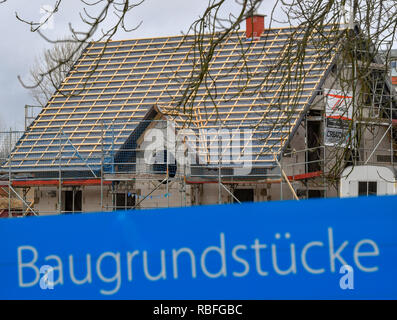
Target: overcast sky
column 20, row 47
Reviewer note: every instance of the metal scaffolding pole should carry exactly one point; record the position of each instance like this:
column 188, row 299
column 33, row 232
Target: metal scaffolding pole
column 167, row 158
column 158, row 186
column 324, row 153
column 324, row 176
column 23, row 201
column 9, row 175
column 184, row 182
column 380, row 141
column 228, row 191
column 60, row 175
column 281, row 185
column 102, row 166
column 306, row 154
column 282, row 172
column 73, row 193
column 30, row 117
column 219, row 165
column 391, row 112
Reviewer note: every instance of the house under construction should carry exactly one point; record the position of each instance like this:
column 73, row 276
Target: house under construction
column 115, row 136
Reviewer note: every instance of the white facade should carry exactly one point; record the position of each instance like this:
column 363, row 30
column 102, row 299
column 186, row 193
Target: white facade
column 353, row 179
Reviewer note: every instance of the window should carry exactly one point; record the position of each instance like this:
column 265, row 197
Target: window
column 367, row 188
column 72, row 201
column 394, row 68
column 125, row 201
column 244, row 195
column 385, row 158
column 315, row 194
column 160, row 163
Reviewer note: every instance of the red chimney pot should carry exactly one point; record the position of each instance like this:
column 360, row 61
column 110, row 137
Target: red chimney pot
column 255, row 25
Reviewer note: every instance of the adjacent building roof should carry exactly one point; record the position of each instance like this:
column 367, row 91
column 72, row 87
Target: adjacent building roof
column 112, row 86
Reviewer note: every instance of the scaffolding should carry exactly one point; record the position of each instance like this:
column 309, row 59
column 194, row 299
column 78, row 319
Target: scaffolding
column 31, row 113
column 124, row 179
column 108, row 156
column 120, row 177
column 126, row 174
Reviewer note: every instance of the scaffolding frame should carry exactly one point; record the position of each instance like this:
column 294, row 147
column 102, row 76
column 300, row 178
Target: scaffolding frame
column 30, row 114
column 99, row 175
column 104, row 175
column 110, row 180
column 105, row 179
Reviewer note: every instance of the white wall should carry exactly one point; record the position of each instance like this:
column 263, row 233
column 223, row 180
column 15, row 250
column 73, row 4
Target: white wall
column 351, row 176
column 46, row 199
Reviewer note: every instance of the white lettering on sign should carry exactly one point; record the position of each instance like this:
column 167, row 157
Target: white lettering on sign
column 281, row 258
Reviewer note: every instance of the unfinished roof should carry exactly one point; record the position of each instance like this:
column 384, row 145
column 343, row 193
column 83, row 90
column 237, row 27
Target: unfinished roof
column 107, row 95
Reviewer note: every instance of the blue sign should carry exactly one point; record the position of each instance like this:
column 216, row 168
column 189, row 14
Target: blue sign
column 314, row 249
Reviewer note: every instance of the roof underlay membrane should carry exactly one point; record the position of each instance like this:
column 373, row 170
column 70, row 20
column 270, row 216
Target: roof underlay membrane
column 112, row 86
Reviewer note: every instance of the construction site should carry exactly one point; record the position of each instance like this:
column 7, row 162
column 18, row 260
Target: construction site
column 110, row 139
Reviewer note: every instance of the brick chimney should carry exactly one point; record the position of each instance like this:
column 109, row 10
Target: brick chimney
column 255, row 25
